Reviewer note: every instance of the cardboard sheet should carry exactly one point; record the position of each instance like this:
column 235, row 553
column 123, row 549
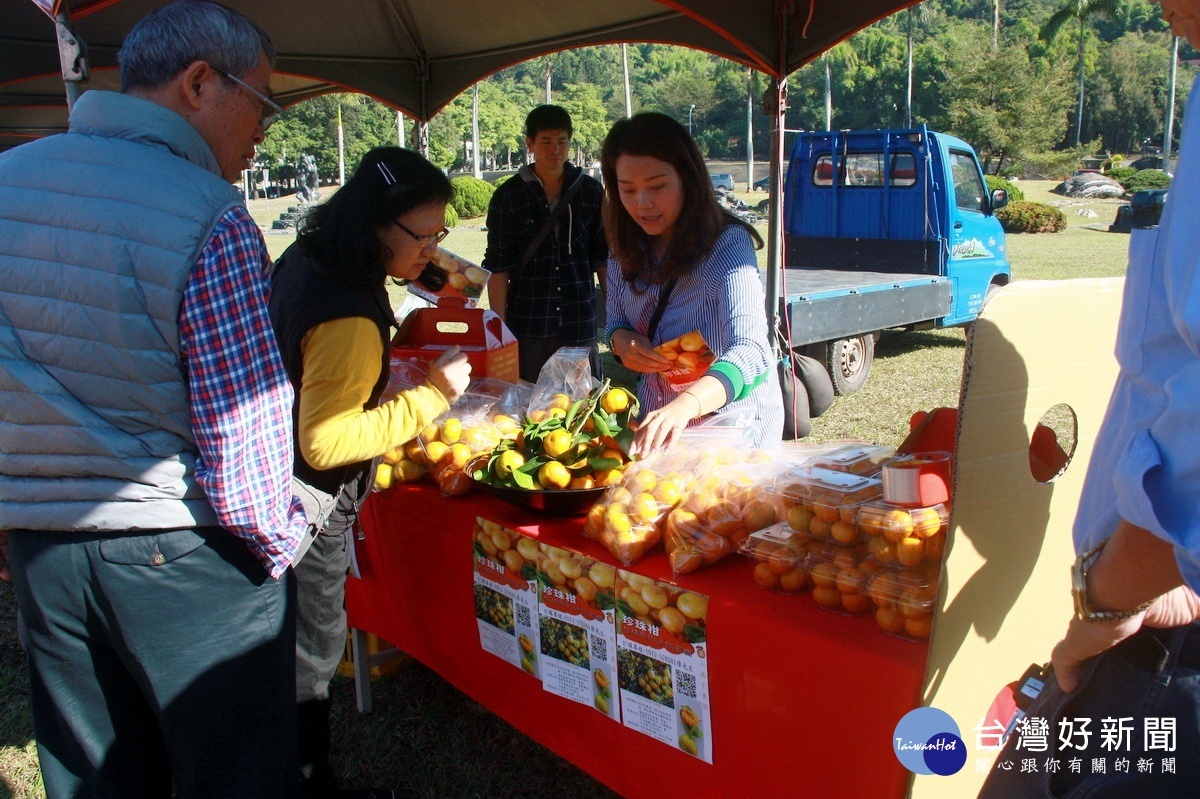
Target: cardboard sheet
column 1006, row 588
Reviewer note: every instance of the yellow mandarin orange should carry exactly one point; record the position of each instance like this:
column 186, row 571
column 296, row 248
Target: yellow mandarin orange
column 910, row 551
column 507, row 461
column 451, row 431
column 793, row 580
column 888, row 617
column 758, row 514
column 764, row 576
column 926, row 522
column 919, row 626
column 799, row 517
column 560, row 401
column 553, row 475
column 826, row 596
column 855, row 603
column 615, row 400
column 435, row 451
column 607, row 477
column 844, row 533
column 897, row 525
column 586, row 481
column 556, row 443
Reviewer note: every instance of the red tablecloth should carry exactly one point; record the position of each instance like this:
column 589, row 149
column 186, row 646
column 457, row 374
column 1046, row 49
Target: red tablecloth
column 804, row 701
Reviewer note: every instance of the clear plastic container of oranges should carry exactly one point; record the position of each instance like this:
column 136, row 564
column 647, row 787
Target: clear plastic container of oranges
column 825, row 503
column 864, row 459
column 837, row 577
column 779, row 552
column 904, row 599
column 902, row 536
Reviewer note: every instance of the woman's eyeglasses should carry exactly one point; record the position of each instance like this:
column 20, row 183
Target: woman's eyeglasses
column 424, row 241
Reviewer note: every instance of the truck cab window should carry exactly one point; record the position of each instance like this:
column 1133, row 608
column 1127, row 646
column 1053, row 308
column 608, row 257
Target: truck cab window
column 968, row 186
column 865, row 170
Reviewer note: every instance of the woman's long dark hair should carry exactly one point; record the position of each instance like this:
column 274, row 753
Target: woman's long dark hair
column 701, row 219
column 341, row 234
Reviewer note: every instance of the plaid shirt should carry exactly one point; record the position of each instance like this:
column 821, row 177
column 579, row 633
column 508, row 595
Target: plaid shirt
column 241, row 400
column 551, row 296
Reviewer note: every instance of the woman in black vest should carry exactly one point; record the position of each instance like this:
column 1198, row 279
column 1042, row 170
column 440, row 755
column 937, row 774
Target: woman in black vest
column 333, row 319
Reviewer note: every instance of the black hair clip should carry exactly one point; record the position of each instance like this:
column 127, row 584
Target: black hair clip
column 388, row 178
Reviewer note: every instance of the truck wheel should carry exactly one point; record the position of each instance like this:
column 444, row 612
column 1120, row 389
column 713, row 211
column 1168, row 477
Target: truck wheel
column 850, row 362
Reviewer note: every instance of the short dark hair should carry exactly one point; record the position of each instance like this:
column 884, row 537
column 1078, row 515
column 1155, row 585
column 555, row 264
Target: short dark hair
column 700, row 221
column 548, row 117
column 165, row 41
column 342, row 233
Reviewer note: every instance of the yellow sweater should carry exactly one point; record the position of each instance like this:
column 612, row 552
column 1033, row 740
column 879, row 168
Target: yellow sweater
column 341, row 365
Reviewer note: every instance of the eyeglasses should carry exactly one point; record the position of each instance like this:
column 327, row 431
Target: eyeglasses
column 425, row 241
column 270, row 109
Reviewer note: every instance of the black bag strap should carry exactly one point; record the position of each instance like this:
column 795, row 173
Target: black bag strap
column 550, row 224
column 663, row 296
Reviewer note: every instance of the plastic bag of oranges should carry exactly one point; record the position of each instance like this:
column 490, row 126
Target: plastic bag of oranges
column 565, row 378
column 720, row 509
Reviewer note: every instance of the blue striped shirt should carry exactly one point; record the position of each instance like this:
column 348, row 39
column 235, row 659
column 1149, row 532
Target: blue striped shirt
column 722, row 298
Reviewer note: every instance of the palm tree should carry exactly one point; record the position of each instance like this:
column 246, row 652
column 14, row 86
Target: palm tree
column 1082, row 10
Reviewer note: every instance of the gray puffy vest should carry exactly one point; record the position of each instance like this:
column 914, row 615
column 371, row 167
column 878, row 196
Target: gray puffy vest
column 99, row 230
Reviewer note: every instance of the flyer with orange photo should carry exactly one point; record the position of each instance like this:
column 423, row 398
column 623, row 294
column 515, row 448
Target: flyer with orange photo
column 464, row 279
column 506, row 602
column 690, row 355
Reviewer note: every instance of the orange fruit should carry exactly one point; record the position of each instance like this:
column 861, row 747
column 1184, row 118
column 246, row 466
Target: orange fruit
column 897, row 525
column 780, row 565
column 889, row 618
column 919, row 626
column 926, row 522
column 827, row 596
column 757, row 515
column 615, row 400
column 792, row 581
column 560, row 401
column 554, row 475
column 641, row 481
column 694, row 606
column 844, row 533
column 910, row 551
column 607, row 477
column 667, row 491
column 430, row 433
column 452, row 430
column 435, row 451
column 508, row 461
column 824, row 575
column 687, row 360
column 764, row 576
column 820, row 528
column 383, row 477
column 556, row 443
column 798, row 518
column 855, row 603
column 587, row 481
column 556, row 413
column 644, row 507
column 459, row 454
column 935, row 548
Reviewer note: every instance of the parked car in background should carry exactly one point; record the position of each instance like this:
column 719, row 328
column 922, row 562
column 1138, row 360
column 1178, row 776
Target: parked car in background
column 762, row 183
column 722, row 180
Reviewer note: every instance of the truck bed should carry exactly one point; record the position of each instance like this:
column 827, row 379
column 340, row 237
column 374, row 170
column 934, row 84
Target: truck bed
column 828, row 304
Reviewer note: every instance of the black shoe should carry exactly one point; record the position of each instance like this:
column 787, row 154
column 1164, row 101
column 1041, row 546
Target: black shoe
column 377, row 793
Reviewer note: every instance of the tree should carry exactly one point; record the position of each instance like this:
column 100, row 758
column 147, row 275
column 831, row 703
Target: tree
column 1006, row 105
column 1083, row 11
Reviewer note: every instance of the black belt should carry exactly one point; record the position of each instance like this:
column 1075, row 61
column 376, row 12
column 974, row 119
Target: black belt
column 1151, row 647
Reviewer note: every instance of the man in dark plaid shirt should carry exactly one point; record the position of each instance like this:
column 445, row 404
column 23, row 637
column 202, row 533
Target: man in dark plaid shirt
column 546, row 293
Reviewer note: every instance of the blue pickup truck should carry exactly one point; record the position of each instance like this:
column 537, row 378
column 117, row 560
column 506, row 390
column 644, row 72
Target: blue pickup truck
column 884, row 229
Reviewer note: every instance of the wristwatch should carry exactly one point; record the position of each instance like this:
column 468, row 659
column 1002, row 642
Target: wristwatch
column 1083, row 606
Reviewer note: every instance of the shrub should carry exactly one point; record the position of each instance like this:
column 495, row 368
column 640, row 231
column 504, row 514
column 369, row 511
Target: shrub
column 500, row 180
column 1121, row 173
column 471, row 196
column 1147, row 179
column 1031, row 217
column 451, row 217
column 1015, row 195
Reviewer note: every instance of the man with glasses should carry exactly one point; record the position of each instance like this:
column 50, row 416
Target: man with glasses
column 546, row 247
column 147, row 430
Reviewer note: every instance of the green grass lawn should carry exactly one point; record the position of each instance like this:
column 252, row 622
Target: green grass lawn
column 432, row 741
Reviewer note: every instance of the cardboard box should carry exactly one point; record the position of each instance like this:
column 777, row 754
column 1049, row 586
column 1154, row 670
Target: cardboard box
column 481, row 335
column 1005, row 598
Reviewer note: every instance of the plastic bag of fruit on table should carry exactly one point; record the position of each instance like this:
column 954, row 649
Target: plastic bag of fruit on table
column 628, row 519
column 720, row 509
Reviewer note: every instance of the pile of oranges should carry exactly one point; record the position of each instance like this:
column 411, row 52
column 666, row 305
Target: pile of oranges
column 569, row 444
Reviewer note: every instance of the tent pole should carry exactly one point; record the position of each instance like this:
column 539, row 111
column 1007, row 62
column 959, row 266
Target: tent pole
column 777, row 102
column 72, row 55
